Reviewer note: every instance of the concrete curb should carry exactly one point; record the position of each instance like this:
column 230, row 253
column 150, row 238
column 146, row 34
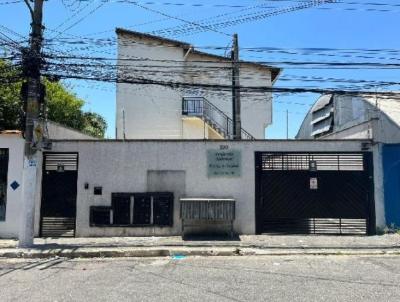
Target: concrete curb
column 182, row 251
column 109, row 253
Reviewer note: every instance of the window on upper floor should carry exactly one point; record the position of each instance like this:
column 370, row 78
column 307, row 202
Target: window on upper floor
column 322, row 116
column 3, row 182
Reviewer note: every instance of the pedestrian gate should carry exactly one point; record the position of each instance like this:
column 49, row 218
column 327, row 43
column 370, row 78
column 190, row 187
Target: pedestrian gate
column 59, row 189
column 314, row 193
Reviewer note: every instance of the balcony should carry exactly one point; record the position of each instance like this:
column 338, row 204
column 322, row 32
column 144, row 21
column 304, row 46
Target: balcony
column 213, row 116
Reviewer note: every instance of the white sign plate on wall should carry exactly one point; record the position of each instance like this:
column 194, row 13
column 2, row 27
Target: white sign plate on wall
column 224, row 163
column 314, row 183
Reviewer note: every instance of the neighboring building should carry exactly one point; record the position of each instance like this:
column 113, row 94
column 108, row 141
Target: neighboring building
column 58, row 131
column 11, row 167
column 159, row 112
column 375, row 117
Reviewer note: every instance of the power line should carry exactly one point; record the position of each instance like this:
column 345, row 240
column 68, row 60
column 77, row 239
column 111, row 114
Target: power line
column 263, row 5
column 218, row 64
column 72, row 16
column 329, row 52
column 179, row 19
column 174, row 84
column 196, row 70
column 84, row 17
column 11, row 2
column 206, row 25
column 246, row 8
column 9, row 41
column 379, row 6
column 246, row 18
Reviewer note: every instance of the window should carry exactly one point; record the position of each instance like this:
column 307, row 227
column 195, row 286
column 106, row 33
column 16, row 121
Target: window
column 3, row 182
column 322, row 116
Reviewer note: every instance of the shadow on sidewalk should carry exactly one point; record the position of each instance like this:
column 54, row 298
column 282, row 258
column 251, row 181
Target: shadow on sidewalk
column 195, row 237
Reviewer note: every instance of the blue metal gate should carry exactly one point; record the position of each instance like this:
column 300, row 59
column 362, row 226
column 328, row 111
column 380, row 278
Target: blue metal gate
column 391, row 178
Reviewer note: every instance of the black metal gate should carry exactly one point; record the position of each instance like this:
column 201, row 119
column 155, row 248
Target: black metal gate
column 59, row 189
column 3, row 182
column 314, row 193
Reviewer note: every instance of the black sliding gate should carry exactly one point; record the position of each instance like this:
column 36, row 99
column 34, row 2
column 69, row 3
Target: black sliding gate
column 314, row 193
column 59, row 189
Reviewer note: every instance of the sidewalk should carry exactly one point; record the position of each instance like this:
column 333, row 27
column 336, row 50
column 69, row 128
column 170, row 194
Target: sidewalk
column 172, row 246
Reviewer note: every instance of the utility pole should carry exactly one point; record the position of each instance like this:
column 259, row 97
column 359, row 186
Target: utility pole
column 237, row 123
column 31, row 92
column 287, row 124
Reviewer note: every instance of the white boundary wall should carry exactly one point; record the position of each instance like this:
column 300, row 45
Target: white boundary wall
column 122, row 166
column 15, row 145
column 125, row 166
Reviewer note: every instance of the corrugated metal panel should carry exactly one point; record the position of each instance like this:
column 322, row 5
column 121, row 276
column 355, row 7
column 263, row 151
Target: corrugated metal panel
column 322, row 102
column 322, row 117
column 326, row 226
column 58, row 226
column 69, row 161
column 323, row 126
column 323, row 162
column 208, row 209
column 321, row 130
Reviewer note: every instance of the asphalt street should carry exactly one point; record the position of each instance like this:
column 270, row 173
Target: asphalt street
column 271, row 278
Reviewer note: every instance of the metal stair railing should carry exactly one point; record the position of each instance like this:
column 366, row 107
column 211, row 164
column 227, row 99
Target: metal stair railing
column 212, row 115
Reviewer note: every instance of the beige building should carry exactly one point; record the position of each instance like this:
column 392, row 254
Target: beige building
column 198, row 102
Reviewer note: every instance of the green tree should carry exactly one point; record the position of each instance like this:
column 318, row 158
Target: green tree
column 94, row 124
column 63, row 105
column 10, row 101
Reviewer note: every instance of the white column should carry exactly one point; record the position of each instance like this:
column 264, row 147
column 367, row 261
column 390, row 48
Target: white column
column 27, row 221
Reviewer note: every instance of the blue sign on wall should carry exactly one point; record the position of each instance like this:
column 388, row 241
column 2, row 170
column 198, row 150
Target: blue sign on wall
column 391, row 183
column 14, row 185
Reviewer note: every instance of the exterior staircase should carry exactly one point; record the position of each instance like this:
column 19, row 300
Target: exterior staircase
column 213, row 116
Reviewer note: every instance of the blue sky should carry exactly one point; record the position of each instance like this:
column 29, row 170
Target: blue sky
column 337, row 26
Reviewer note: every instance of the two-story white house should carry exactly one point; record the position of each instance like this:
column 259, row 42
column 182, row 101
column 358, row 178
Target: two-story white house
column 193, row 99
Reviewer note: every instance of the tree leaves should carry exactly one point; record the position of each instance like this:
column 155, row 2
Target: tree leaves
column 63, row 105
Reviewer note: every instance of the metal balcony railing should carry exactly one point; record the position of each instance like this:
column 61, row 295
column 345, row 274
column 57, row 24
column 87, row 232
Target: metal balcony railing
column 212, row 115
